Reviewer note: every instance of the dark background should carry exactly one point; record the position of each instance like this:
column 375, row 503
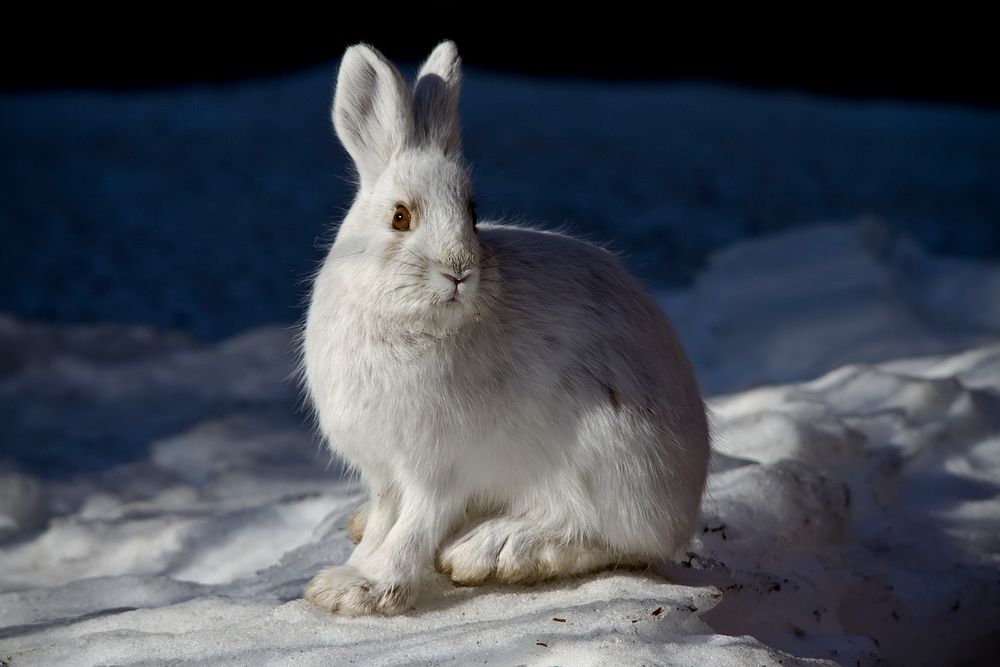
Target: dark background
column 833, row 48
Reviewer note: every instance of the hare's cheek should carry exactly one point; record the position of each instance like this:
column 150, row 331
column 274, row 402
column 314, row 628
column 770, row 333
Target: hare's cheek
column 470, row 285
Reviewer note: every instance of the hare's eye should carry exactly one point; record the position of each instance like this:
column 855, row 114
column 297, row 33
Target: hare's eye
column 401, row 218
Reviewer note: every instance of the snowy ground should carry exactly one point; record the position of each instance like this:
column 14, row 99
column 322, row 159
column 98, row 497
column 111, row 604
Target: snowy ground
column 853, row 511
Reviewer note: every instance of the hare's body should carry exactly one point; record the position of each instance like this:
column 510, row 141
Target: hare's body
column 529, row 414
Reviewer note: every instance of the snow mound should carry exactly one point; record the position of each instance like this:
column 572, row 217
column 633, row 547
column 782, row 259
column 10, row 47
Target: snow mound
column 798, row 304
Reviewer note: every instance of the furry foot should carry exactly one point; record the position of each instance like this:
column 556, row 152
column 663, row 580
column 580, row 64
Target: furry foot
column 356, row 523
column 514, row 552
column 343, row 589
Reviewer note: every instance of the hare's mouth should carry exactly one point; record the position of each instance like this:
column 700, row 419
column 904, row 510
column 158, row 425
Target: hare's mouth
column 455, row 299
column 451, row 288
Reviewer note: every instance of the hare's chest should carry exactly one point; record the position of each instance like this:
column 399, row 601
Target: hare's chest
column 378, row 392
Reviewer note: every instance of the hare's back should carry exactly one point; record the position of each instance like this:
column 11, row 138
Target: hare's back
column 551, row 276
column 585, row 326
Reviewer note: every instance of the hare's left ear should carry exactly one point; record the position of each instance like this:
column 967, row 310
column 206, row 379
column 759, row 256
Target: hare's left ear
column 435, row 99
column 371, row 111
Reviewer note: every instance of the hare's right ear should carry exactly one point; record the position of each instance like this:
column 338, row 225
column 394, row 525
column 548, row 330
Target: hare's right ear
column 371, row 111
column 435, row 99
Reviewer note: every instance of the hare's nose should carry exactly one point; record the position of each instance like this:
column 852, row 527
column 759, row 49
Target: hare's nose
column 455, row 279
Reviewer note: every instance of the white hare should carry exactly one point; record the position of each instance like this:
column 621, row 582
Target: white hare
column 518, row 407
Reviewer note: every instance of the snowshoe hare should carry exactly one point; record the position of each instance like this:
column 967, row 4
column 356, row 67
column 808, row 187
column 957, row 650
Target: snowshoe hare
column 517, row 406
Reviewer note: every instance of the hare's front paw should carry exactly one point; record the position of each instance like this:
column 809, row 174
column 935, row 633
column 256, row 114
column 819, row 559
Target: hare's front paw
column 343, row 589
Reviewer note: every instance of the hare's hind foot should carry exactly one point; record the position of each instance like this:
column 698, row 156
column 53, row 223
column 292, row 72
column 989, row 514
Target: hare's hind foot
column 518, row 551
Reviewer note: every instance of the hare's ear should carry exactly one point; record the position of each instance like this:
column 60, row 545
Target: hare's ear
column 371, row 110
column 435, row 99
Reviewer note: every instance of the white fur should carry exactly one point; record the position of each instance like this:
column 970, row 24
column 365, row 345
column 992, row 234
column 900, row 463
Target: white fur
column 538, row 419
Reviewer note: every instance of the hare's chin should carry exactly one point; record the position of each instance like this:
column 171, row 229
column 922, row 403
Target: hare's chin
column 455, row 312
column 449, row 309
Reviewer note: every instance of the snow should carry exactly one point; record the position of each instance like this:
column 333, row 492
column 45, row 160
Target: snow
column 794, row 305
column 852, row 515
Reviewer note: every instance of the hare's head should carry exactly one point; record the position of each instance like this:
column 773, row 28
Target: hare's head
column 411, row 233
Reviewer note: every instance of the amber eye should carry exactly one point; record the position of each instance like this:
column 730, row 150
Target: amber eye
column 401, row 218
